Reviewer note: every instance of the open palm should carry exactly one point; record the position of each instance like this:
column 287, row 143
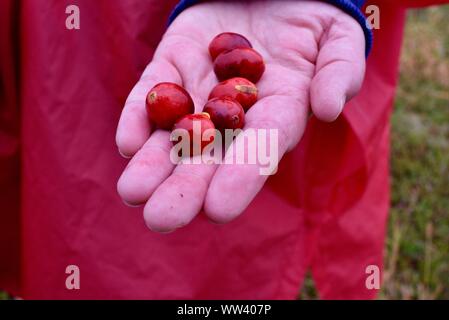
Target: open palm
column 315, row 56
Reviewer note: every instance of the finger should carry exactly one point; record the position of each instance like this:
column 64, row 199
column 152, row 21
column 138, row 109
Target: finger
column 235, row 185
column 179, row 198
column 340, row 69
column 147, row 169
column 134, row 128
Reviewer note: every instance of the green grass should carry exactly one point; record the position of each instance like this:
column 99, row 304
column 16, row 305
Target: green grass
column 3, row 295
column 417, row 248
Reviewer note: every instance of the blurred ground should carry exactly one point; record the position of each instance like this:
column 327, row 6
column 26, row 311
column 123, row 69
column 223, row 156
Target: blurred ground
column 3, row 295
column 417, row 248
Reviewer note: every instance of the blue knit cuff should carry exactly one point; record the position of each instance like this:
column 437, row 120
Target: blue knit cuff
column 351, row 7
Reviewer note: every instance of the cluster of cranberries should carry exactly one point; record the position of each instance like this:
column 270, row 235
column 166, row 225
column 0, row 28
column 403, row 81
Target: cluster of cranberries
column 238, row 66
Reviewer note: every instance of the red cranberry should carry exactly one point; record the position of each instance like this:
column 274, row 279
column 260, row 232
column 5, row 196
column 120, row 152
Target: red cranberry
column 226, row 42
column 202, row 123
column 166, row 103
column 225, row 113
column 245, row 63
column 240, row 89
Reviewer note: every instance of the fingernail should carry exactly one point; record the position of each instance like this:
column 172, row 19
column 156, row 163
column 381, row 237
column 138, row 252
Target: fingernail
column 164, row 232
column 132, row 205
column 123, row 155
column 215, row 222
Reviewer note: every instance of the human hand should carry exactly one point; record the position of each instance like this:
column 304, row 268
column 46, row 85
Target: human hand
column 314, row 55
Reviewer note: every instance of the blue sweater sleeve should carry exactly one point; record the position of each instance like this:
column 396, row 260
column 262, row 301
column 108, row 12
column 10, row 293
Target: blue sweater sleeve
column 352, row 7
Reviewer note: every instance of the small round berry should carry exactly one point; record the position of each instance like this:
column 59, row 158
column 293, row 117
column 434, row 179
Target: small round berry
column 196, row 125
column 166, row 103
column 225, row 113
column 240, row 89
column 227, row 41
column 244, row 63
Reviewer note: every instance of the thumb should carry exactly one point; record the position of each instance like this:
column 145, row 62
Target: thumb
column 340, row 69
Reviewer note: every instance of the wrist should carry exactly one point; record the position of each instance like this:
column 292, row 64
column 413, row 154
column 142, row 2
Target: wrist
column 354, row 9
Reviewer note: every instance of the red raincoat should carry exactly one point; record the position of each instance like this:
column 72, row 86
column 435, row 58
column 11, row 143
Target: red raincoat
column 61, row 94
